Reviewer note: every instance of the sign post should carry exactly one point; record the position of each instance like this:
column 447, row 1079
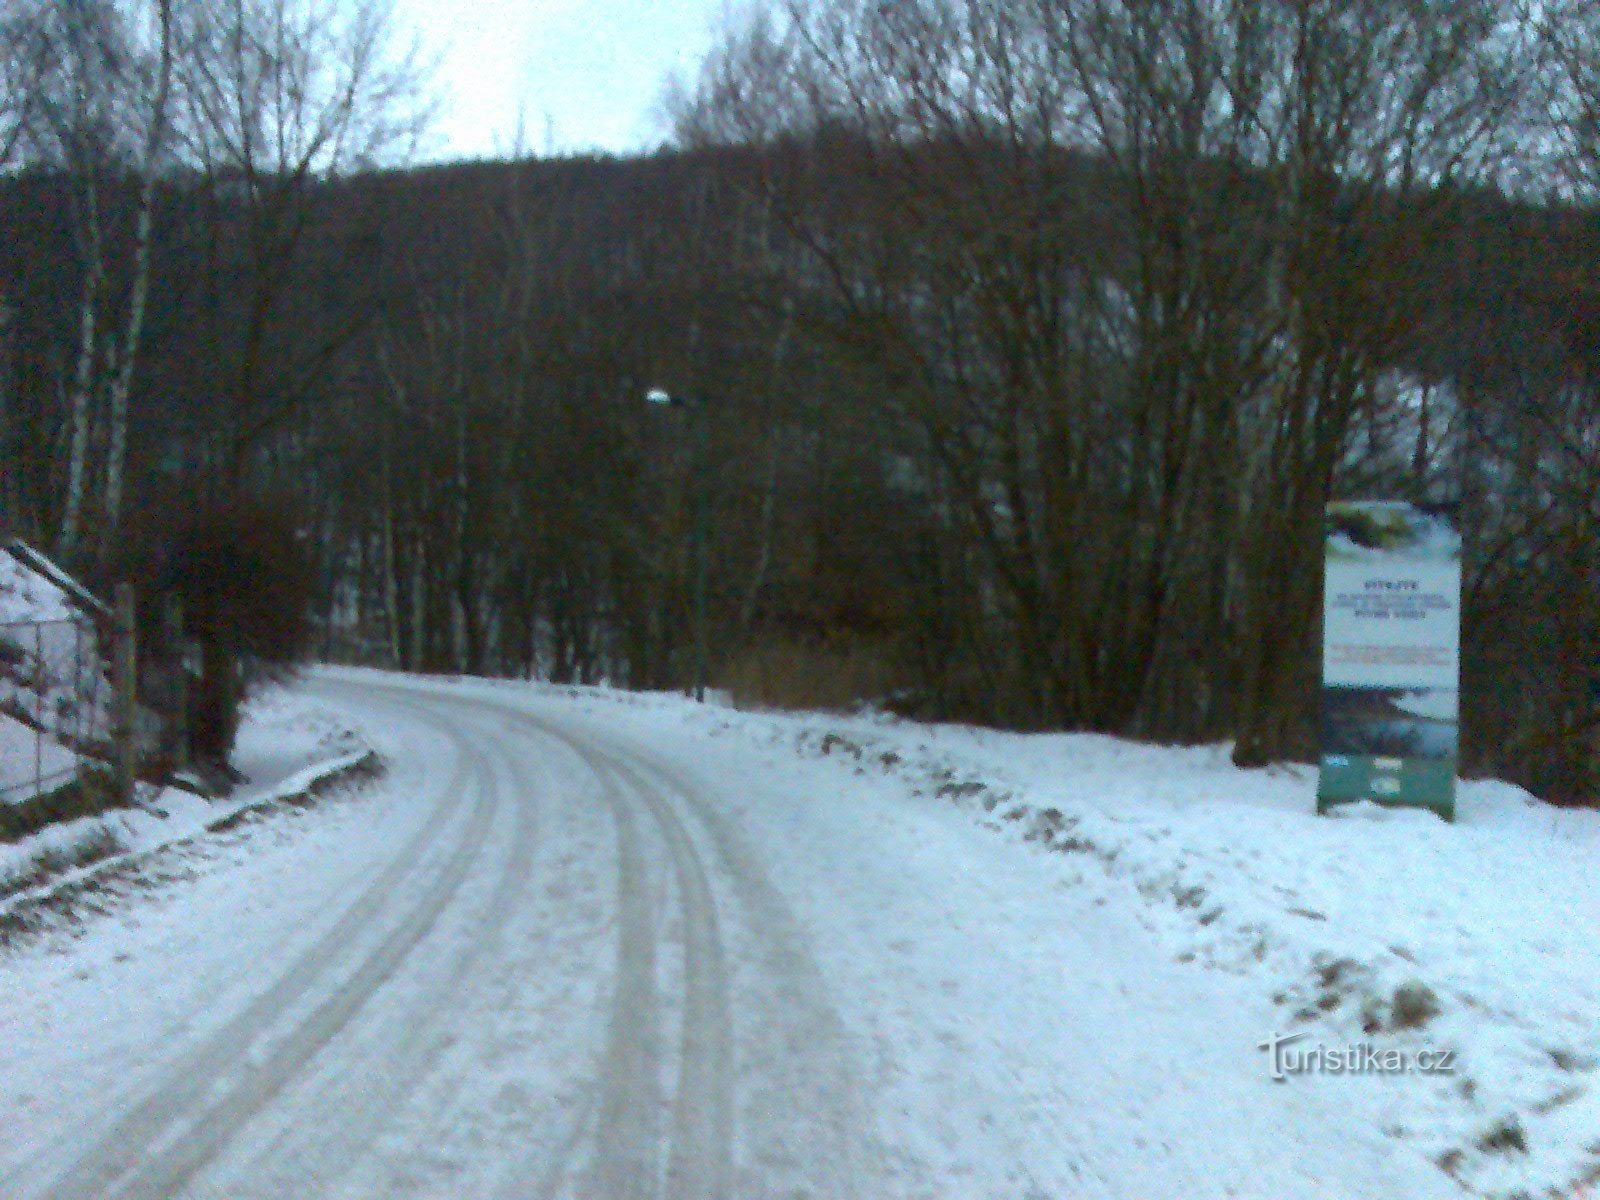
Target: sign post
column 1391, row 657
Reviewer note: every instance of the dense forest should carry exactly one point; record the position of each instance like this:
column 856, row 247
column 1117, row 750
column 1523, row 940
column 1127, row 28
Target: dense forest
column 1017, row 348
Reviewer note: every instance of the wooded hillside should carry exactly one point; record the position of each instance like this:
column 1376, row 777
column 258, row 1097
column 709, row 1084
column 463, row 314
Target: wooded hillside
column 1024, row 346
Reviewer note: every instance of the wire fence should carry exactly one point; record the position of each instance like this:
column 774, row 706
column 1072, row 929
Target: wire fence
column 56, row 694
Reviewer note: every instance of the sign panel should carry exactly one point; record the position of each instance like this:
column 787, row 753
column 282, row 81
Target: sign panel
column 1391, row 657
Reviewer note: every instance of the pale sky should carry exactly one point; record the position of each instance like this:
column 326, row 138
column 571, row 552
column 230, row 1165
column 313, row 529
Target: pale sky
column 584, row 74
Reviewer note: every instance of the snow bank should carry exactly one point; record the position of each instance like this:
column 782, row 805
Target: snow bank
column 286, row 744
column 1495, row 917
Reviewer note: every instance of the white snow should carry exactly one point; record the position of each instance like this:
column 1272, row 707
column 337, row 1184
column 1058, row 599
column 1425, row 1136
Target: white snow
column 1232, row 870
column 88, row 1017
column 960, row 964
column 286, row 743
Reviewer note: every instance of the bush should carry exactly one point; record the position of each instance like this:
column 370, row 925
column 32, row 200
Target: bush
column 88, row 796
column 242, row 569
column 835, row 674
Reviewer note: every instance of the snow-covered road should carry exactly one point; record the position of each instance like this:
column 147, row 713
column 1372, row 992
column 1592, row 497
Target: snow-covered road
column 567, row 952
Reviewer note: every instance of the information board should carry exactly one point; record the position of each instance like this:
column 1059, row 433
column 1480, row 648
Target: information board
column 1391, row 660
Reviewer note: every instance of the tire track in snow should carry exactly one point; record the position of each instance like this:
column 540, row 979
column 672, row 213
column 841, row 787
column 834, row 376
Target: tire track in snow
column 702, row 1110
column 156, row 1148
column 629, row 1142
column 809, row 1117
column 450, row 1098
column 349, row 1111
column 627, row 1127
column 807, row 1063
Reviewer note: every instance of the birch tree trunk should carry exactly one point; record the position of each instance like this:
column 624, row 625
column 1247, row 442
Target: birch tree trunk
column 83, row 378
column 122, row 382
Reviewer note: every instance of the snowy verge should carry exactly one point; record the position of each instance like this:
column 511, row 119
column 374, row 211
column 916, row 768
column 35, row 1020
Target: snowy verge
column 1379, row 930
column 1383, row 928
column 291, row 750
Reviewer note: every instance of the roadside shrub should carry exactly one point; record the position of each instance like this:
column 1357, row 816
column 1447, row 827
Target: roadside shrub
column 243, row 571
column 88, row 796
column 836, row 674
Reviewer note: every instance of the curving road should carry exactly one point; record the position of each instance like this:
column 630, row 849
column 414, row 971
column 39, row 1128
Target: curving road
column 552, row 958
column 550, row 868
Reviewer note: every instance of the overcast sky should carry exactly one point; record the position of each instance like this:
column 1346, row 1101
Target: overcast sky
column 584, row 73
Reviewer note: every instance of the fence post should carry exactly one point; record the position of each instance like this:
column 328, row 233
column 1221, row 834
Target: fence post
column 82, row 714
column 178, row 660
column 40, row 686
column 125, row 683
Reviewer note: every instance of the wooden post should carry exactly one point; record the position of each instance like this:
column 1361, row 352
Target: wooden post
column 40, row 714
column 178, row 660
column 125, row 683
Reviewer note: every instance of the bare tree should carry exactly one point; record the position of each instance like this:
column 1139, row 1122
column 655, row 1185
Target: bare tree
column 1384, row 109
column 101, row 76
column 24, row 42
column 279, row 98
column 79, row 126
column 1329, row 131
column 1570, row 33
column 1124, row 276
column 155, row 113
